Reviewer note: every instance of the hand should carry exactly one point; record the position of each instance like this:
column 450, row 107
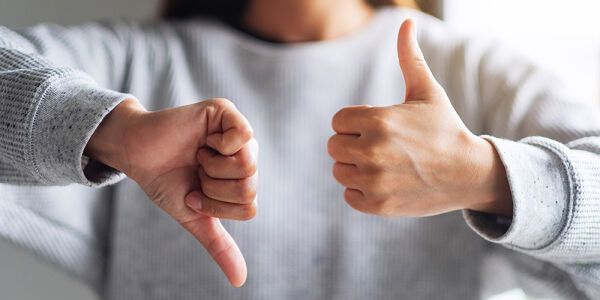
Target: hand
column 196, row 162
column 416, row 158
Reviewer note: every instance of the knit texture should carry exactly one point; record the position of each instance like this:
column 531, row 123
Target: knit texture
column 58, row 83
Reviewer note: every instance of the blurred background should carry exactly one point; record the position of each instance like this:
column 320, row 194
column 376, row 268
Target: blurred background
column 561, row 36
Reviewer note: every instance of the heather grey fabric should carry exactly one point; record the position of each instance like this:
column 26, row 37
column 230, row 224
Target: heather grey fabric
column 57, row 83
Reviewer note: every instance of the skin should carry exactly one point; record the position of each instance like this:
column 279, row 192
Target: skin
column 292, row 21
column 416, row 158
column 199, row 162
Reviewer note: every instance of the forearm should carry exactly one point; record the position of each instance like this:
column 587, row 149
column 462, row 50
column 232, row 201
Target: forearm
column 107, row 145
column 50, row 105
column 555, row 201
column 48, row 119
column 490, row 192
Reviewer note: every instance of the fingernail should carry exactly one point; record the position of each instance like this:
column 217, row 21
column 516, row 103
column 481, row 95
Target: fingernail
column 194, row 201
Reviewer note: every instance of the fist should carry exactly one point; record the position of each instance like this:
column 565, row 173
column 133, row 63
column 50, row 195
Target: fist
column 416, row 158
column 196, row 162
column 227, row 183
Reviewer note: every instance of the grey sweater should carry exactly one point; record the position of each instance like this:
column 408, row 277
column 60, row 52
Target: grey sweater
column 57, row 83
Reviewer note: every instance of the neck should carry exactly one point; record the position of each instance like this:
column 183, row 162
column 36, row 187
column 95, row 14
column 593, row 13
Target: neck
column 291, row 21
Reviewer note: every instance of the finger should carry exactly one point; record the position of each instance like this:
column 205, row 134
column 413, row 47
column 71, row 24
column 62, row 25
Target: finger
column 340, row 148
column 221, row 246
column 417, row 75
column 218, row 209
column 243, row 164
column 234, row 134
column 347, row 175
column 348, row 120
column 237, row 191
column 356, row 199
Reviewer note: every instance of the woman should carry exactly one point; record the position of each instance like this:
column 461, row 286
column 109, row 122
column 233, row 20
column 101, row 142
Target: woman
column 412, row 143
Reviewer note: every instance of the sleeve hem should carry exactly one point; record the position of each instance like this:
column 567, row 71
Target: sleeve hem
column 541, row 194
column 69, row 111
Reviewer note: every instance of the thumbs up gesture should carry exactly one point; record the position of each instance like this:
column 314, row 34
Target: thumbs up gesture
column 416, row 158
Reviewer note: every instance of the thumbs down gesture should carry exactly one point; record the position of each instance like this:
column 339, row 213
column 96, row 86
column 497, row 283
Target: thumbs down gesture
column 196, row 162
column 416, row 158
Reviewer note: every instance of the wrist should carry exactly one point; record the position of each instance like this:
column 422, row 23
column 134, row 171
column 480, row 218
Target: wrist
column 108, row 144
column 491, row 190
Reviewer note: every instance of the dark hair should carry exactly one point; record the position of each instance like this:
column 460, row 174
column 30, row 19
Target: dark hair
column 231, row 11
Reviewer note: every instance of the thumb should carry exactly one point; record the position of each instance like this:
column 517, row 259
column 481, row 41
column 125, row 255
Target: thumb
column 221, row 246
column 417, row 75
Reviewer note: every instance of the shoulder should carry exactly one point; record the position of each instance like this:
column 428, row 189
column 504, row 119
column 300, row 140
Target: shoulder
column 166, row 30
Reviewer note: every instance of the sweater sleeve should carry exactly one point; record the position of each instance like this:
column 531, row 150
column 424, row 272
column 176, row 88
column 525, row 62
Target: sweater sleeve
column 549, row 144
column 56, row 86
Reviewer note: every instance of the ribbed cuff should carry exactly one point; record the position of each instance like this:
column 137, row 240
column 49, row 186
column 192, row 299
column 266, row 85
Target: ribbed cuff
column 70, row 110
column 540, row 193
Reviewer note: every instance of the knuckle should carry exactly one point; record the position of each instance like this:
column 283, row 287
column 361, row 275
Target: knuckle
column 337, row 172
column 213, row 105
column 382, row 120
column 352, row 202
column 350, row 196
column 372, row 153
column 208, row 167
column 360, row 206
column 382, row 125
column 246, row 166
column 221, row 102
column 207, row 187
column 338, row 116
column 376, row 153
column 247, row 191
column 341, row 117
column 247, row 133
column 368, row 152
column 203, row 156
column 248, row 212
column 331, row 146
column 245, row 161
column 357, row 203
column 336, row 121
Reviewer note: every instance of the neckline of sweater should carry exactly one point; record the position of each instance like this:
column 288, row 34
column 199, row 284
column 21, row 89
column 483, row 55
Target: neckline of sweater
column 361, row 39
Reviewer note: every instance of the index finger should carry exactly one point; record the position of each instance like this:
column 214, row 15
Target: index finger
column 236, row 133
column 347, row 120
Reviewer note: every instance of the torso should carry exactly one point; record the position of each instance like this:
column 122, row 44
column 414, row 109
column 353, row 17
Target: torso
column 305, row 243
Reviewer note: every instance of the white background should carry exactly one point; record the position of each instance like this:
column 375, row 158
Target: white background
column 563, row 36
